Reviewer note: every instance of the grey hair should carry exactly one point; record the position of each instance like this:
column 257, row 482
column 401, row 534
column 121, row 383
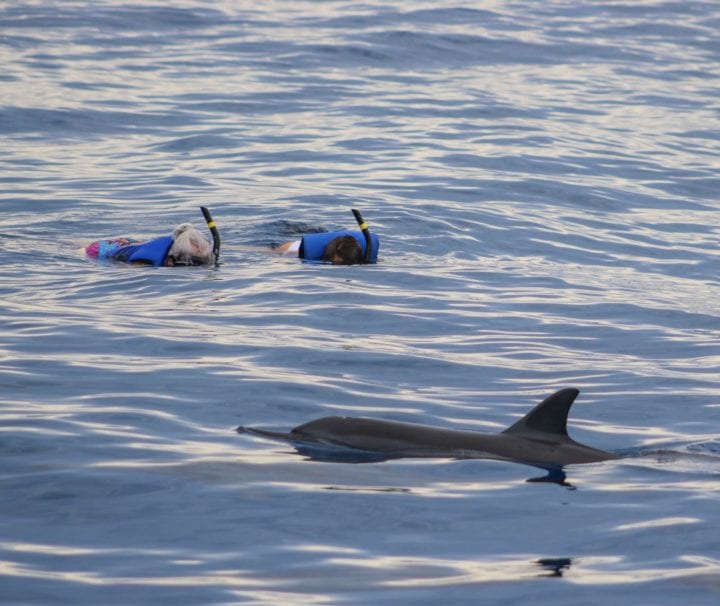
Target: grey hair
column 190, row 246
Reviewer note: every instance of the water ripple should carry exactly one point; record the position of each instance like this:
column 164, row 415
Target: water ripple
column 544, row 181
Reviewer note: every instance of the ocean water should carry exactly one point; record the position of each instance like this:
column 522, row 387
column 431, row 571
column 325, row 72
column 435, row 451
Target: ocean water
column 544, row 177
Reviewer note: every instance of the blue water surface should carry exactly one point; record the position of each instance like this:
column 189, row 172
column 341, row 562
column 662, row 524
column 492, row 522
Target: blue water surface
column 544, row 177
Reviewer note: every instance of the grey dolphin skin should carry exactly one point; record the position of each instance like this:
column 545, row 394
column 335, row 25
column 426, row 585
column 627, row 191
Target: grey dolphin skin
column 540, row 438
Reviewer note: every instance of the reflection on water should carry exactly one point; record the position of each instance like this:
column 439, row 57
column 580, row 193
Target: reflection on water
column 554, row 476
column 555, row 567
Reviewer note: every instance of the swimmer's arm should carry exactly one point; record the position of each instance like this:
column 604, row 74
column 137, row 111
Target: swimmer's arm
column 283, row 248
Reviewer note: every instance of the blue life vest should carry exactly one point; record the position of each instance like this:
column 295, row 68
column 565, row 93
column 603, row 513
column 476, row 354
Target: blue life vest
column 153, row 252
column 312, row 246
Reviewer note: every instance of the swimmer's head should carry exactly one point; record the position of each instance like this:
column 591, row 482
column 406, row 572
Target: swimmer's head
column 343, row 250
column 189, row 247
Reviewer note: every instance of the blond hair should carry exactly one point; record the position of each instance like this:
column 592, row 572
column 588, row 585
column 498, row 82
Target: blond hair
column 190, row 247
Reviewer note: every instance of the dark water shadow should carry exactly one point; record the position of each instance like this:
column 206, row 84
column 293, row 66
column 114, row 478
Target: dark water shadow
column 554, row 567
column 555, row 475
column 274, row 233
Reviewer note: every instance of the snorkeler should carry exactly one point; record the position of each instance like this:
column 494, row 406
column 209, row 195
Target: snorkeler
column 185, row 246
column 341, row 250
column 337, row 247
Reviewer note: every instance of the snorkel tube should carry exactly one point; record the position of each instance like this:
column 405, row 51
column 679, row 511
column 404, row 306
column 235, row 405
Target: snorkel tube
column 366, row 232
column 214, row 231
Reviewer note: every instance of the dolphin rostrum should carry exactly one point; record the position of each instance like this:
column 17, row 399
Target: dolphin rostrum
column 540, row 438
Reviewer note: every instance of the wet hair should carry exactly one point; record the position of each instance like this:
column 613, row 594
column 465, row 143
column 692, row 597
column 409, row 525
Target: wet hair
column 190, row 247
column 343, row 250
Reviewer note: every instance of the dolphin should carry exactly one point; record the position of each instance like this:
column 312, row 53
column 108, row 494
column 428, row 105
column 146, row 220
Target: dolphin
column 540, row 438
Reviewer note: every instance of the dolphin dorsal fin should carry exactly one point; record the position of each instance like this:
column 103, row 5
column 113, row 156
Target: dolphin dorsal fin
column 550, row 416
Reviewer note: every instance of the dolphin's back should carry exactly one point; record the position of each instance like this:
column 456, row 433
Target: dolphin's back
column 386, row 436
column 540, row 437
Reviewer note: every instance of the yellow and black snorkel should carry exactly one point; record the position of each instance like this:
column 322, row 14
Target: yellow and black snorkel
column 366, row 232
column 214, row 231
